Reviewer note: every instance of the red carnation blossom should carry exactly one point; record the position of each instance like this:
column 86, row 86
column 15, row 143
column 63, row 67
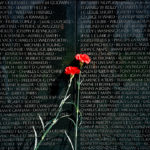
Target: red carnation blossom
column 72, row 70
column 84, row 58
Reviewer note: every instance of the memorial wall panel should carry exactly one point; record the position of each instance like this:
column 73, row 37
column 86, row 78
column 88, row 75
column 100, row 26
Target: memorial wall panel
column 39, row 39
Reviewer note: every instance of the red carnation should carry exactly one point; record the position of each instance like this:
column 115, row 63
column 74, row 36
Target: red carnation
column 84, row 58
column 72, row 70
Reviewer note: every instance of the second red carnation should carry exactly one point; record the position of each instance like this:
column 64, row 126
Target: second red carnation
column 84, row 58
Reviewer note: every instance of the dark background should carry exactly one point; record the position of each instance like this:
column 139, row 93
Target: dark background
column 38, row 39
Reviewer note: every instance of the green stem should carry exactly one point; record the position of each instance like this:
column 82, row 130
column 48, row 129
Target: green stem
column 77, row 113
column 56, row 118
